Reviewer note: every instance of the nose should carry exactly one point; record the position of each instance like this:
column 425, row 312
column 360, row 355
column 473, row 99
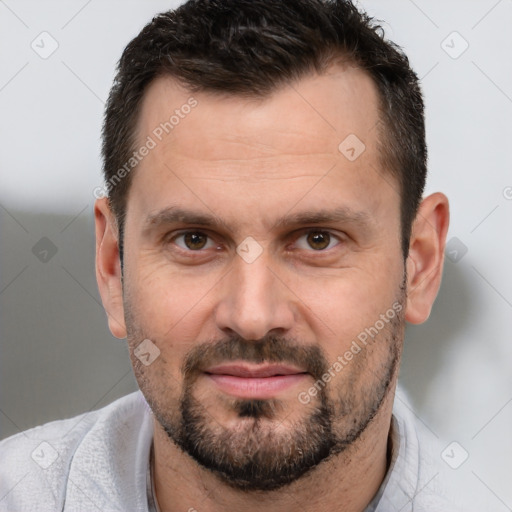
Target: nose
column 254, row 300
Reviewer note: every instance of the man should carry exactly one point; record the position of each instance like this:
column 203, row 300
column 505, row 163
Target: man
column 263, row 242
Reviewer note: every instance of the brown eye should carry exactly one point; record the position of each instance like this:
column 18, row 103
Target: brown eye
column 193, row 241
column 319, row 240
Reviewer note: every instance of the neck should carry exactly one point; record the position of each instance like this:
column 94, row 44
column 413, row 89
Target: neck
column 347, row 482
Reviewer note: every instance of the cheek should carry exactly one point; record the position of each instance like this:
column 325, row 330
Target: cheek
column 170, row 301
column 349, row 307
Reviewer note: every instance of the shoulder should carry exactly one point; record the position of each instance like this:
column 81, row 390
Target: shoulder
column 37, row 464
column 432, row 483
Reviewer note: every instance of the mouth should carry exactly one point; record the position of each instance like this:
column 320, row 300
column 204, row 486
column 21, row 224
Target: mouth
column 255, row 382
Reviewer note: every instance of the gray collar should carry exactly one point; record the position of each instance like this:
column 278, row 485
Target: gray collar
column 150, row 484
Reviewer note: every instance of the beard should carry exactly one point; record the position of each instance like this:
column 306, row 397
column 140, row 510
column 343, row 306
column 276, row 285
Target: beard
column 272, row 443
column 255, row 455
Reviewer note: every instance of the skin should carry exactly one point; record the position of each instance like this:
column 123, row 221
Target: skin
column 250, row 163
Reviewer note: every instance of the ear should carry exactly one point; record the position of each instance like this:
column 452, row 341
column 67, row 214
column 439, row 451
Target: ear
column 426, row 256
column 108, row 267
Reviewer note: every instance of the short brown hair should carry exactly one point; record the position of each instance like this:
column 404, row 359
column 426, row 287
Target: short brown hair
column 250, row 47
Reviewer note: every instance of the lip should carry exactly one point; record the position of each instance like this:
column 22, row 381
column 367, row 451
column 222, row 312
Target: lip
column 245, row 370
column 247, row 381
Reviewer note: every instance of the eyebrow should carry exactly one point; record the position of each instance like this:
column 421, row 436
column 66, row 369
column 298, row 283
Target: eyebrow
column 175, row 215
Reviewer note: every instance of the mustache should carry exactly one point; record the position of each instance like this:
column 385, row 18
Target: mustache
column 270, row 349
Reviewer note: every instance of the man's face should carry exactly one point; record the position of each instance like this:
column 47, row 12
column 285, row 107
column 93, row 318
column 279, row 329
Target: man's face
column 254, row 240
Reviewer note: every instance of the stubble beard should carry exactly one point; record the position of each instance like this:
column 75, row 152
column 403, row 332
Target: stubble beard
column 259, row 454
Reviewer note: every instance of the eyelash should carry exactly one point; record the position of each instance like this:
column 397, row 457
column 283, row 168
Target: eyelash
column 301, row 235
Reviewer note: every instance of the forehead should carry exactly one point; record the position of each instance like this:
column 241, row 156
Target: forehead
column 324, row 108
column 300, row 133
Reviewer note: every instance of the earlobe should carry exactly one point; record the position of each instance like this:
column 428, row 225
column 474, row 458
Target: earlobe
column 108, row 267
column 426, row 257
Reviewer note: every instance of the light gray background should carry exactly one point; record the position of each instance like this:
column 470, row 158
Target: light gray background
column 57, row 356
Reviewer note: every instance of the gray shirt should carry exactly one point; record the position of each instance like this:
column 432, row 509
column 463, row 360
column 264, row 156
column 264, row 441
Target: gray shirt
column 100, row 460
